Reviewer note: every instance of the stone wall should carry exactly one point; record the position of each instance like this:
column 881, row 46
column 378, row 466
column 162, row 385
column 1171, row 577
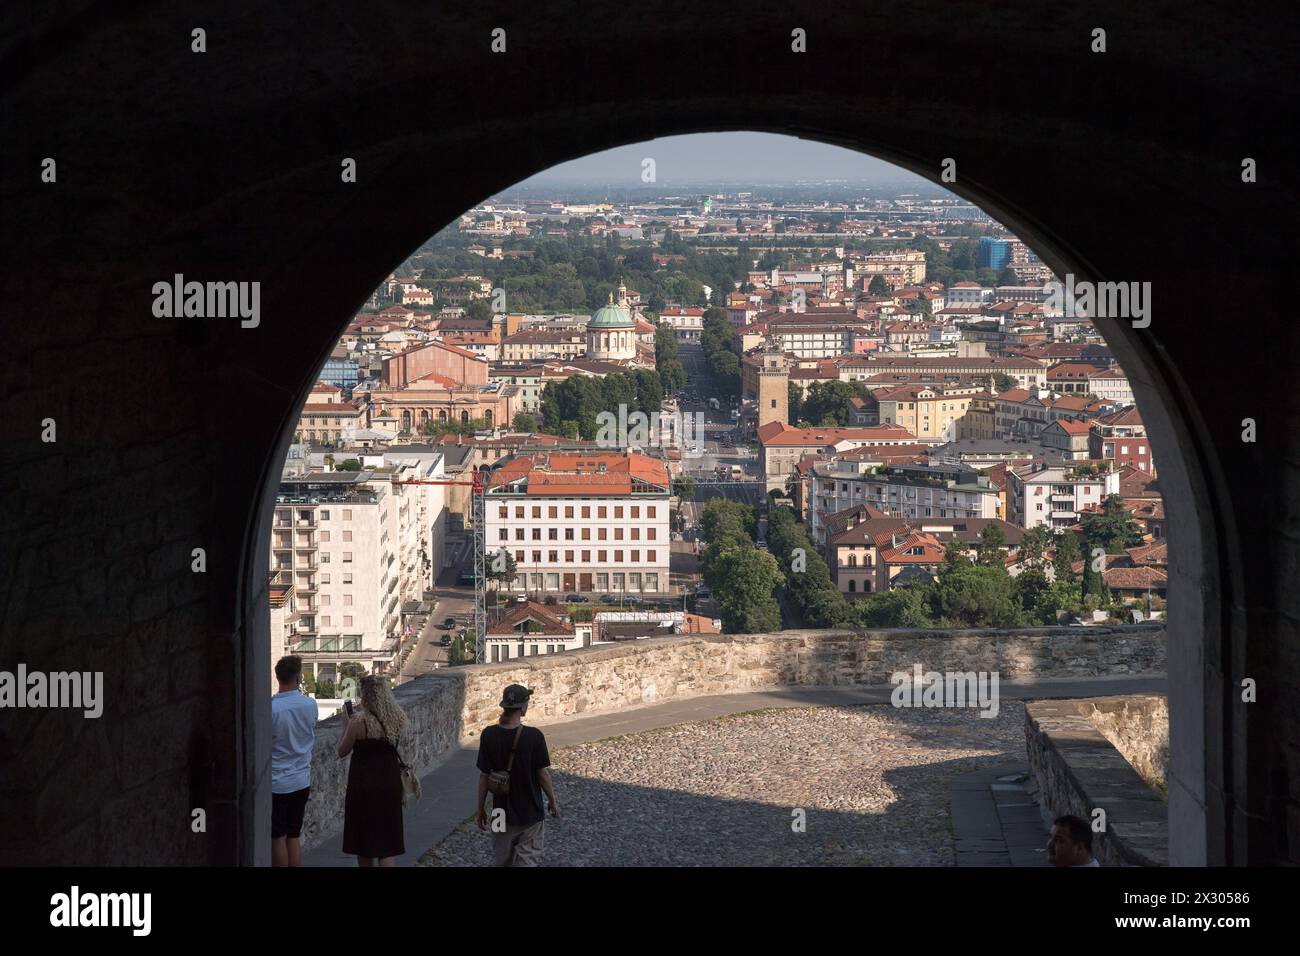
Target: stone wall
column 451, row 706
column 1076, row 769
column 1138, row 727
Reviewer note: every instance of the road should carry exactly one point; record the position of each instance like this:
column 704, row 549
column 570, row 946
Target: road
column 454, row 600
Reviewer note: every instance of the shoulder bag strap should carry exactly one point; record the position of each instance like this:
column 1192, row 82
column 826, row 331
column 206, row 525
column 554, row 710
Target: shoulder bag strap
column 513, row 747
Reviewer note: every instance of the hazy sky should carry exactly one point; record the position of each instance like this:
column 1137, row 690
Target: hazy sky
column 758, row 158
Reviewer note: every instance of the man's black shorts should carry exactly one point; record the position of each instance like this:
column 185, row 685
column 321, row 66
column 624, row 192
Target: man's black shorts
column 286, row 813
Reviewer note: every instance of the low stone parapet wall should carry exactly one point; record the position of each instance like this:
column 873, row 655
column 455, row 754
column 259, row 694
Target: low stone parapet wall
column 451, row 706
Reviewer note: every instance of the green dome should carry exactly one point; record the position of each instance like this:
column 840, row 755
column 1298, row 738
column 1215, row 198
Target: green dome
column 611, row 317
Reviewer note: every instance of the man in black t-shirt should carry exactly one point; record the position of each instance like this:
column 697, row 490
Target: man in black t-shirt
column 517, row 828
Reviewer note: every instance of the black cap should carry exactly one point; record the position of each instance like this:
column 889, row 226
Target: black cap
column 516, row 695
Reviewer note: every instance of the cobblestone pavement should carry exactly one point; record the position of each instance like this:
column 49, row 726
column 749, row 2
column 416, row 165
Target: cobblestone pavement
column 873, row 782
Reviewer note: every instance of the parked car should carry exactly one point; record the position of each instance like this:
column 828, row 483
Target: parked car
column 449, row 623
column 577, row 599
column 445, row 640
column 633, row 599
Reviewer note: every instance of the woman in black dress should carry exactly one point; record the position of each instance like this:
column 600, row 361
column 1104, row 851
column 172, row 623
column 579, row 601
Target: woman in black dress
column 372, row 809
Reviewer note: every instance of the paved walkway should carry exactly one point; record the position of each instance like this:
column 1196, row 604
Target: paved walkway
column 448, row 786
column 995, row 822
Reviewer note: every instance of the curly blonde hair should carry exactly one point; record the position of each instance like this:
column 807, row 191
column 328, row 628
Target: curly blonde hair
column 382, row 716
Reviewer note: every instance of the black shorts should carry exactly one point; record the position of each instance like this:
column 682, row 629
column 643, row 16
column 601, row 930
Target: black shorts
column 287, row 810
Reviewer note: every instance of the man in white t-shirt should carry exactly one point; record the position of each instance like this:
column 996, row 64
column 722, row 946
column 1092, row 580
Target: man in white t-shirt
column 1070, row 843
column 293, row 737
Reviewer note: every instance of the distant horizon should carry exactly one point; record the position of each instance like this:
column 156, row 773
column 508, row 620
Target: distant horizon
column 728, row 160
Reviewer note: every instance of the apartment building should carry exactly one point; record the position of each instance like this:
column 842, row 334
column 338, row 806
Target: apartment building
column 354, row 546
column 781, row 446
column 531, row 345
column 527, row 377
column 907, row 268
column 1122, row 438
column 1025, row 372
column 901, row 490
column 928, row 412
column 326, row 423
column 1056, row 495
column 687, row 323
column 582, row 522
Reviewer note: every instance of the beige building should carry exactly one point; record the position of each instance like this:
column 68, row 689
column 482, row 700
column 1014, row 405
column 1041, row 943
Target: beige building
column 582, row 522
column 326, row 423
column 929, row 412
column 353, row 546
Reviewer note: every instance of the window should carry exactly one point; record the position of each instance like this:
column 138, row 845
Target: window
column 537, row 511
column 650, row 534
column 325, row 621
column 504, row 534
column 586, row 534
column 600, row 534
column 650, row 512
column 347, row 620
column 324, row 537
column 649, row 555
column 347, row 514
column 586, row 511
column 552, row 534
column 600, row 555
column 503, row 513
column 324, row 557
column 554, row 557
column 618, row 557
column 568, row 534
column 618, row 511
column 552, row 512
column 347, row 577
column 618, row 534
column 602, row 512
column 519, row 512
column 324, row 515
column 636, row 557
column 537, row 534
column 636, row 534
column 519, row 556
column 537, row 557
column 519, row 534
column 586, row 557
column 324, row 579
column 568, row 556
column 347, row 557
column 652, row 582
column 636, row 512
column 568, row 511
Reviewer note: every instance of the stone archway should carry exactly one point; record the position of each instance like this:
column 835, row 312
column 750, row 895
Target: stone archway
column 1066, row 164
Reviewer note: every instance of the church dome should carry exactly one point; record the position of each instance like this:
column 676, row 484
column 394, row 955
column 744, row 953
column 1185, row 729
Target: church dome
column 611, row 317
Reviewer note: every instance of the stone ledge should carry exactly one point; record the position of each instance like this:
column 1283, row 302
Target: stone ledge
column 1077, row 769
column 449, row 707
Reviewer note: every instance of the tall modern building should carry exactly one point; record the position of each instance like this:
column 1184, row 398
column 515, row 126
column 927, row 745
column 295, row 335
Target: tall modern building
column 993, row 253
column 348, row 550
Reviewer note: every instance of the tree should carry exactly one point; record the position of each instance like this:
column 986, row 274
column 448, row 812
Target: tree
column 976, row 595
column 901, row 607
column 1113, row 529
column 1003, row 382
column 348, row 464
column 524, row 422
column 745, row 581
column 878, row 286
column 1034, row 546
column 1067, row 552
column 501, row 567
column 684, row 487
column 478, row 311
column 992, row 546
column 1008, row 276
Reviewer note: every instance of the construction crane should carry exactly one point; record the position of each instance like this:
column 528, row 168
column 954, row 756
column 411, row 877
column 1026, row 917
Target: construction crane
column 477, row 486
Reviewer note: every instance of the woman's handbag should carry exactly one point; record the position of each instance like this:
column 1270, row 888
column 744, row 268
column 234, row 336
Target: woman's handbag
column 499, row 780
column 411, row 789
